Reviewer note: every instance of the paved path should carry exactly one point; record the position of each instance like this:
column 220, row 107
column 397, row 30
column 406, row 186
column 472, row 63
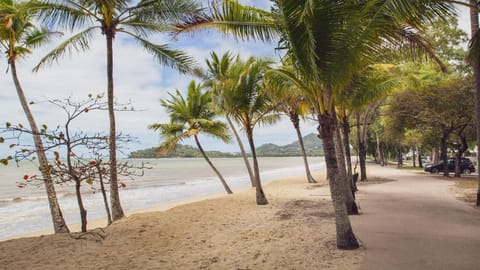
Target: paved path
column 414, row 223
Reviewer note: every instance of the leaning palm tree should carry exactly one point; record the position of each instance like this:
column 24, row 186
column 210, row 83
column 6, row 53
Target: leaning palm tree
column 17, row 36
column 189, row 117
column 291, row 103
column 222, row 74
column 250, row 105
column 329, row 41
column 137, row 20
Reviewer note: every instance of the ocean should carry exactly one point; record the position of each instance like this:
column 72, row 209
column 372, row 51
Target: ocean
column 171, row 180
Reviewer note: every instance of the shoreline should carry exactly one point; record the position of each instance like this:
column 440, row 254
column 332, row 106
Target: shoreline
column 296, row 230
column 102, row 222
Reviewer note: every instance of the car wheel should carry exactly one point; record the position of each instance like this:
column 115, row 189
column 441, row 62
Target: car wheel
column 466, row 171
column 435, row 170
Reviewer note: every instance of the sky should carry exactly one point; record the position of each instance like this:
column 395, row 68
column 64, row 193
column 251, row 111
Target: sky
column 138, row 80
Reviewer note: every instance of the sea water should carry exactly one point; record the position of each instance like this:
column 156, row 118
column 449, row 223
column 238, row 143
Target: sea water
column 170, row 180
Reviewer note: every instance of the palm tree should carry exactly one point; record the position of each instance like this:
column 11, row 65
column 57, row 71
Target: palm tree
column 17, row 35
column 189, row 117
column 292, row 103
column 249, row 105
column 223, row 73
column 137, row 20
column 474, row 58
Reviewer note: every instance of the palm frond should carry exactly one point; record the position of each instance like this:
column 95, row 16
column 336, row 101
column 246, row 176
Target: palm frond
column 174, row 59
column 68, row 14
column 39, row 37
column 78, row 42
column 229, row 16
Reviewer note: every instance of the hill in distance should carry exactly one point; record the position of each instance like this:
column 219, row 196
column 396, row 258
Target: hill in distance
column 313, row 146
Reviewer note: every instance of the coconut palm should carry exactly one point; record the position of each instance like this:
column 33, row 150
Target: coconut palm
column 329, row 41
column 291, row 103
column 136, row 20
column 189, row 117
column 17, row 36
column 474, row 59
column 249, row 105
column 223, row 73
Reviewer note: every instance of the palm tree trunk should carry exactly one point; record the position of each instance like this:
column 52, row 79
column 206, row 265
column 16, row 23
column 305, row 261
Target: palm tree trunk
column 476, row 75
column 352, row 208
column 296, row 124
column 117, row 211
column 346, row 146
column 242, row 150
column 59, row 224
column 345, row 237
column 224, row 183
column 261, row 199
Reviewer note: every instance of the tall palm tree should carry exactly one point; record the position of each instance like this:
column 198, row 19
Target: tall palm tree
column 223, row 73
column 137, row 20
column 329, row 41
column 474, row 58
column 292, row 103
column 189, row 117
column 17, row 36
column 249, row 105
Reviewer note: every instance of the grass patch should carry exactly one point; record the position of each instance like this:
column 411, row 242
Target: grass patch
column 465, row 188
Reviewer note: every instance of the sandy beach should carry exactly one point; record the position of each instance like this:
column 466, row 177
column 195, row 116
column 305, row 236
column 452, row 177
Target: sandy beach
column 295, row 230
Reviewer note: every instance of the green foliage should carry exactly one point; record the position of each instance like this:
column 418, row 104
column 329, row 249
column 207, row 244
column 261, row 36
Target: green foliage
column 180, row 151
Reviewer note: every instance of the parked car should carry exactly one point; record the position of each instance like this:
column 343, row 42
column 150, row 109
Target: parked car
column 466, row 166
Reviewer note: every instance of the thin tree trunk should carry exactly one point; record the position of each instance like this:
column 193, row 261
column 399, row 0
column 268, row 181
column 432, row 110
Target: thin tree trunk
column 224, row 183
column 414, row 158
column 72, row 174
column 59, row 225
column 296, row 124
column 346, row 147
column 443, row 152
column 344, row 233
column 362, row 152
column 348, row 190
column 474, row 25
column 261, row 199
column 399, row 157
column 242, row 150
column 461, row 149
column 420, row 162
column 117, row 211
column 81, row 207
column 104, row 194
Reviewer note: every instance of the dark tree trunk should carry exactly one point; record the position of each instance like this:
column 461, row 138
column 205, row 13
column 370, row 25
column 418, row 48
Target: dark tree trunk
column 348, row 190
column 224, row 183
column 261, row 199
column 414, row 158
column 345, row 237
column 443, row 152
column 474, row 25
column 242, row 150
column 460, row 150
column 296, row 124
column 399, row 157
column 59, row 225
column 420, row 162
column 346, row 146
column 117, row 211
column 81, row 207
column 362, row 150
column 104, row 194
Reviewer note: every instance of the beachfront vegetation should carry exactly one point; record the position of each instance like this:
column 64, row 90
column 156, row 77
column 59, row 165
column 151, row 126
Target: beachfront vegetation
column 18, row 35
column 190, row 116
column 348, row 62
column 136, row 20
